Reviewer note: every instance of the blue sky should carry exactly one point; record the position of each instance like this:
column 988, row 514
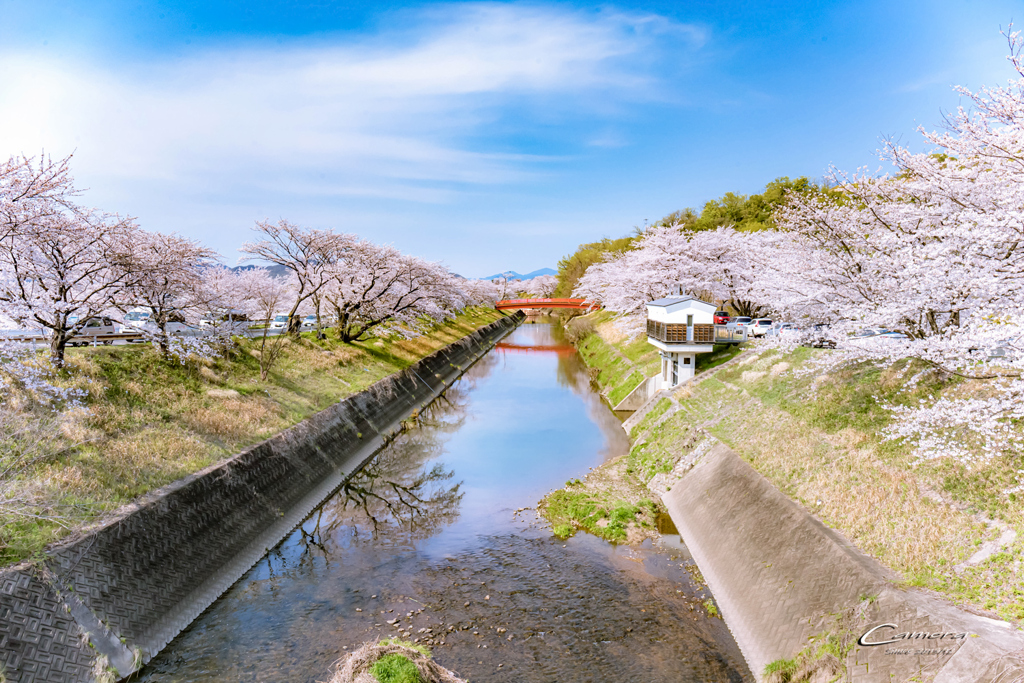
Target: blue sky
column 491, row 136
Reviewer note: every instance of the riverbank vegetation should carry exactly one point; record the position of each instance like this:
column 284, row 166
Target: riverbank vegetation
column 607, row 504
column 612, row 501
column 813, row 422
column 392, row 661
column 144, row 421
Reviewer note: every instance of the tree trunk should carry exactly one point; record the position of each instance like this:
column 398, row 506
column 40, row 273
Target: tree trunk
column 162, row 341
column 58, row 342
column 264, row 361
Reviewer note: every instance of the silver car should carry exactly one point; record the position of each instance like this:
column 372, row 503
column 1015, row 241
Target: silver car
column 95, row 330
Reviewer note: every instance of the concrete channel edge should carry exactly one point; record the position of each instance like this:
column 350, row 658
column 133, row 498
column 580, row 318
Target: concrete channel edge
column 100, row 607
column 780, row 576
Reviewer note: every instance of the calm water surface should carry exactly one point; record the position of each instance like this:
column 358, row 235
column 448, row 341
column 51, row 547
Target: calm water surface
column 439, row 532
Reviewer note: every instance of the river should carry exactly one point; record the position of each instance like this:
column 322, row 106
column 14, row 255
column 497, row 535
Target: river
column 438, row 534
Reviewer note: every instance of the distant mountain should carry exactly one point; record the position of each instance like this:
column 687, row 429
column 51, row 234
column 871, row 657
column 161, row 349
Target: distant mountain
column 513, row 275
column 275, row 270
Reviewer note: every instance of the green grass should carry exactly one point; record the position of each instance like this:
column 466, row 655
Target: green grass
column 623, row 390
column 422, row 649
column 662, row 448
column 823, row 659
column 570, row 511
column 651, row 417
column 147, row 421
column 395, row 668
column 721, row 353
column 782, row 670
column 613, row 370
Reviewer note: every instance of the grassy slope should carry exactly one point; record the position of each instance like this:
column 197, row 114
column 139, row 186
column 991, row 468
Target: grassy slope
column 148, row 422
column 816, row 436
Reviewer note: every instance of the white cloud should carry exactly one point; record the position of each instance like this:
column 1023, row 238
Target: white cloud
column 396, row 115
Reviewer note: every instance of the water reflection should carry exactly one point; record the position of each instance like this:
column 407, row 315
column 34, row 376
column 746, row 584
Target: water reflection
column 432, row 533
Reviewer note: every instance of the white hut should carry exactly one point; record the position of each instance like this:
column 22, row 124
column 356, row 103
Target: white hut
column 680, row 327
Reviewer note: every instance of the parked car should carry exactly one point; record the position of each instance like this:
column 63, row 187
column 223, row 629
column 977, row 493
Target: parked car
column 780, row 329
column 760, row 327
column 721, row 317
column 95, row 330
column 309, row 322
column 871, row 332
column 879, row 333
column 137, row 317
column 142, row 319
column 235, row 321
column 279, row 322
column 175, row 325
column 742, row 321
column 1005, row 349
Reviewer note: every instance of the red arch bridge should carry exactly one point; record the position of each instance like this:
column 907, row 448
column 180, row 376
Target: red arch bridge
column 578, row 304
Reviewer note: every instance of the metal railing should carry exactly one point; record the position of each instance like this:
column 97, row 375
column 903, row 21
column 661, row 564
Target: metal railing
column 730, row 334
column 677, row 333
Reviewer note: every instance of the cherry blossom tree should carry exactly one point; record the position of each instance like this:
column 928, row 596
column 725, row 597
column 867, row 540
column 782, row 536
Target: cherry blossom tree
column 261, row 294
column 542, row 286
column 31, row 191
column 374, row 285
column 480, row 292
column 60, row 264
column 308, row 254
column 170, row 283
column 935, row 251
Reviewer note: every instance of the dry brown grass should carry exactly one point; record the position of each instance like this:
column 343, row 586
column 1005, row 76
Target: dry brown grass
column 840, row 478
column 611, row 333
column 235, row 419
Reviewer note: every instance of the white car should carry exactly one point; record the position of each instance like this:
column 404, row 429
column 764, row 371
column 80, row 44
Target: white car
column 137, row 317
column 760, row 327
column 783, row 329
column 279, row 322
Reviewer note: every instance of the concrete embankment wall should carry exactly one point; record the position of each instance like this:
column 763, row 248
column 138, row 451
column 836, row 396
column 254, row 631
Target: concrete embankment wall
column 120, row 594
column 780, row 576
